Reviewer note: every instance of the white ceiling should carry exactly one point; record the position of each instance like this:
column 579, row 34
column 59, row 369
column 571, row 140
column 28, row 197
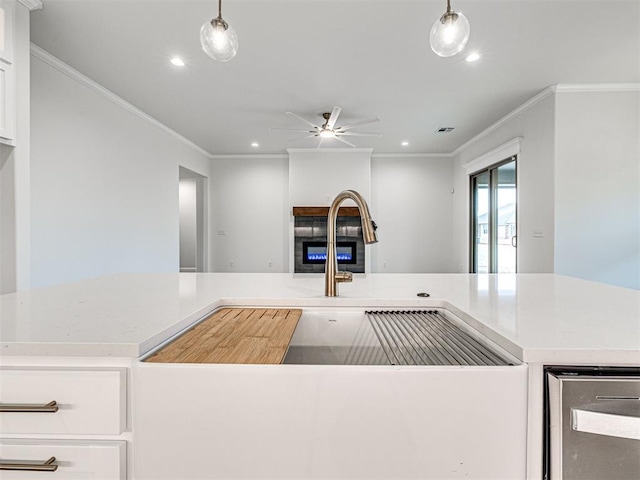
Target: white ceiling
column 370, row 57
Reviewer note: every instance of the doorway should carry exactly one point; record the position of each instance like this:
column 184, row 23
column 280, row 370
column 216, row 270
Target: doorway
column 192, row 213
column 494, row 219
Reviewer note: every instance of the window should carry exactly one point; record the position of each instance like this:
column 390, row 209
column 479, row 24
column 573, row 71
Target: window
column 494, row 219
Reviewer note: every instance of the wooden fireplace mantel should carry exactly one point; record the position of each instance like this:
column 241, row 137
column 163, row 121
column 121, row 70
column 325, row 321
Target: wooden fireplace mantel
column 324, row 211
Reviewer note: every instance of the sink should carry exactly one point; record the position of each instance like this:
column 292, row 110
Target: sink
column 334, row 336
column 359, row 336
column 319, row 417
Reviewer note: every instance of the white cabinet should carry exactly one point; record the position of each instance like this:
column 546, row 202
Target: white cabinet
column 72, row 460
column 6, row 31
column 7, row 74
column 7, row 102
column 89, row 401
column 73, row 419
column 338, row 422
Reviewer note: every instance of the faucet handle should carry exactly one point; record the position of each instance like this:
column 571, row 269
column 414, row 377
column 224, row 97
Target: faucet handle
column 342, row 277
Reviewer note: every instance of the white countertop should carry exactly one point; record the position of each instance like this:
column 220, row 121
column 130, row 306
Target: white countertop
column 541, row 318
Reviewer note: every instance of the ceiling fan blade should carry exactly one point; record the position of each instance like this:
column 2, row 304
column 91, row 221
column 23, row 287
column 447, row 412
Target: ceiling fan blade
column 303, row 119
column 301, row 138
column 344, row 141
column 292, row 130
column 357, row 124
column 333, row 118
column 359, row 134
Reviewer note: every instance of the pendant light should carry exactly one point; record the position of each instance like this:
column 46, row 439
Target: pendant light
column 450, row 33
column 218, row 38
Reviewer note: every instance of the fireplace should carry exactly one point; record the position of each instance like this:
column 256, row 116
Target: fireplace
column 316, row 252
column 310, row 240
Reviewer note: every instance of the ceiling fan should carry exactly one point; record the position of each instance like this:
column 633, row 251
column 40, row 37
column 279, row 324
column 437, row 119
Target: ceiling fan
column 329, row 130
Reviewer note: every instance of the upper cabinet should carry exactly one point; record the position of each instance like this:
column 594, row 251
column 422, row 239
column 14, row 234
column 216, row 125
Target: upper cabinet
column 6, row 31
column 7, row 73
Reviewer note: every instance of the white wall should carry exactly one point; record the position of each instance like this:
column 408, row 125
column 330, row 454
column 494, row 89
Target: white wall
column 597, row 177
column 104, row 183
column 413, row 207
column 188, row 206
column 535, row 124
column 249, row 214
column 316, row 175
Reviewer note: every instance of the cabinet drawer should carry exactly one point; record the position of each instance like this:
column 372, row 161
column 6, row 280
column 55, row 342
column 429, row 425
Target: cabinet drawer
column 74, row 459
column 89, row 401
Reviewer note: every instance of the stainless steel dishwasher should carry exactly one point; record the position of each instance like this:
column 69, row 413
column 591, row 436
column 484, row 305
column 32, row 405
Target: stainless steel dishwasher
column 592, row 423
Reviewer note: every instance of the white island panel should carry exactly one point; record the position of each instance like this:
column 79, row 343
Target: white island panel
column 329, row 422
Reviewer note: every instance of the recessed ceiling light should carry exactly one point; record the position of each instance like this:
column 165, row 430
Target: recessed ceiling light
column 255, row 144
column 177, row 62
column 405, row 143
column 472, row 57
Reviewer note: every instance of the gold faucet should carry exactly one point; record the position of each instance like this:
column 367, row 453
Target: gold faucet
column 331, row 274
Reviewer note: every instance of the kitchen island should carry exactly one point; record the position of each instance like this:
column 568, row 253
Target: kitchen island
column 107, row 324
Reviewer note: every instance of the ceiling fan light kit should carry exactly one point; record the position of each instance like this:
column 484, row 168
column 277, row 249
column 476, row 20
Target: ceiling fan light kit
column 450, row 33
column 218, row 39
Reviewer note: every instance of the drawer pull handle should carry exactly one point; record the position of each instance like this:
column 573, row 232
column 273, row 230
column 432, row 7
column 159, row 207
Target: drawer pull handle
column 47, row 466
column 51, row 407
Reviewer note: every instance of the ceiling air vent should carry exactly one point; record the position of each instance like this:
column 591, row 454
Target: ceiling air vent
column 444, row 129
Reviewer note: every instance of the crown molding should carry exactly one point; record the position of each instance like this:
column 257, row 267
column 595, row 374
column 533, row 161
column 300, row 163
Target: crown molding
column 411, row 155
column 259, row 156
column 62, row 67
column 32, row 4
column 330, row 150
column 275, row 156
column 596, row 87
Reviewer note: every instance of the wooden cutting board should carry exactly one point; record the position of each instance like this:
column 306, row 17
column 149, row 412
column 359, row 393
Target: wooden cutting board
column 234, row 335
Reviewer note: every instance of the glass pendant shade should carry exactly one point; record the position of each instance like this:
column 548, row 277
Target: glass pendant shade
column 219, row 40
column 449, row 34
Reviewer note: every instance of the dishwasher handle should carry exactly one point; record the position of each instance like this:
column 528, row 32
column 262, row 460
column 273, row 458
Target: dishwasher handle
column 614, row 417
